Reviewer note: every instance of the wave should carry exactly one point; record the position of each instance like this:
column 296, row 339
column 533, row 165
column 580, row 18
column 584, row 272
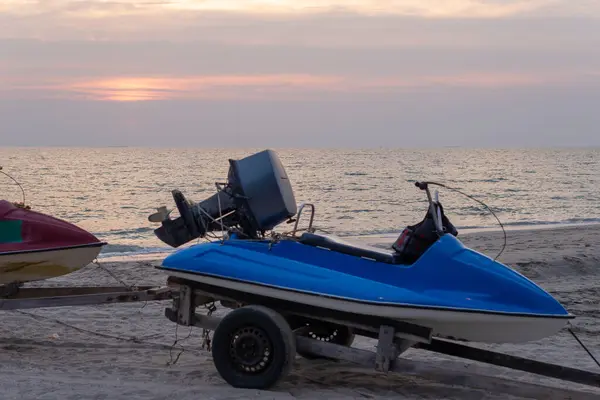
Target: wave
column 570, row 221
column 356, row 174
column 127, row 231
column 112, row 250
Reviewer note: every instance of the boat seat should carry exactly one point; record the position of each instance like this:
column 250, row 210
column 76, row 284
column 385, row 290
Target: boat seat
column 336, row 244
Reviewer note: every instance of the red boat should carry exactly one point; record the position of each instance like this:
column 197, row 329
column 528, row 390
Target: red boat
column 35, row 246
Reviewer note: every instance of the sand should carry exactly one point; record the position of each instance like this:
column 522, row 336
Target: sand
column 124, row 351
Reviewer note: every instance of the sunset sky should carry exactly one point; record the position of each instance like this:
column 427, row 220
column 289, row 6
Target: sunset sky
column 282, row 73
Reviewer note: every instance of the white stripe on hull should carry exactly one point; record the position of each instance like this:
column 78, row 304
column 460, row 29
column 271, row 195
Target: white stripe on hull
column 36, row 266
column 463, row 325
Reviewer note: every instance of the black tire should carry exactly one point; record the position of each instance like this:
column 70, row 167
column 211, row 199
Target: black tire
column 253, row 347
column 325, row 332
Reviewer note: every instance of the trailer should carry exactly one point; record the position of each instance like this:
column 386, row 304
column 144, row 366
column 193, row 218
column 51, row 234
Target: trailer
column 254, row 345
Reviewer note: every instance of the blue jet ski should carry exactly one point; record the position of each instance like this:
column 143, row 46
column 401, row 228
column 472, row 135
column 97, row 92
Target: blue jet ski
column 427, row 277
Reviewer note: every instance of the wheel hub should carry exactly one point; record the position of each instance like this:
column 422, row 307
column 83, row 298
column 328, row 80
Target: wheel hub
column 323, row 333
column 250, row 349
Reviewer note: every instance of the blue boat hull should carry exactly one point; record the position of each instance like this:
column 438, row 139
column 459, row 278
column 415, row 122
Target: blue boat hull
column 456, row 291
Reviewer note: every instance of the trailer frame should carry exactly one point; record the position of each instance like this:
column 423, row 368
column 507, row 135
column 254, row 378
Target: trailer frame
column 45, row 297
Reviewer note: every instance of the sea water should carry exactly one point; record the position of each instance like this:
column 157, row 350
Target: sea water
column 111, row 191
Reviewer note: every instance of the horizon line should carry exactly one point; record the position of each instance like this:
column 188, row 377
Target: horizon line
column 322, row 147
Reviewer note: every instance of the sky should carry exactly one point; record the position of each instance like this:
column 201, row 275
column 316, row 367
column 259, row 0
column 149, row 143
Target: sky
column 313, row 73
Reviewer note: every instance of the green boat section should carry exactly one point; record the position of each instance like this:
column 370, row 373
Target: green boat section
column 11, row 231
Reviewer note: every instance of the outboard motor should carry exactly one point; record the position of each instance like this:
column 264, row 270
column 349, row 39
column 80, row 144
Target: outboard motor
column 257, row 197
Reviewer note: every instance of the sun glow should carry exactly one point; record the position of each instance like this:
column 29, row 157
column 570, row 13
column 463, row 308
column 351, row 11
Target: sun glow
column 123, row 89
column 208, row 87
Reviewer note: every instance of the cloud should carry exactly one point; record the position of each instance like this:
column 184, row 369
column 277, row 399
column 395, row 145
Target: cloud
column 263, row 87
column 421, row 8
column 255, row 22
column 559, row 54
column 91, row 9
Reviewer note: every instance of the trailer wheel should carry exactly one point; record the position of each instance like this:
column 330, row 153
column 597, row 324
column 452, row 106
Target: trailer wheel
column 253, row 347
column 337, row 334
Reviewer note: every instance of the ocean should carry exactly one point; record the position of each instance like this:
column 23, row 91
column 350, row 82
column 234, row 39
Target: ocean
column 111, row 191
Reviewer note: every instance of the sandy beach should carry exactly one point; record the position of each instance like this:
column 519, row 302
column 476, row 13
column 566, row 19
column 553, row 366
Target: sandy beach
column 125, row 351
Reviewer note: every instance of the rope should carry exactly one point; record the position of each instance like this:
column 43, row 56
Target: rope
column 19, row 185
column 483, row 204
column 102, row 267
column 206, row 341
column 134, row 339
column 175, row 343
column 583, row 346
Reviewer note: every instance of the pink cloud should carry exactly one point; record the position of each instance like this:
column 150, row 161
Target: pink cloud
column 256, row 87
